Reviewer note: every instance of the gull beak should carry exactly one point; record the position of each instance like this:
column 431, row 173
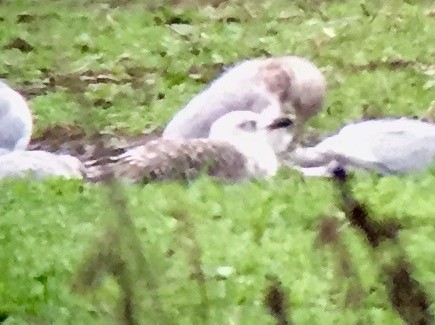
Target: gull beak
column 278, row 135
column 279, row 123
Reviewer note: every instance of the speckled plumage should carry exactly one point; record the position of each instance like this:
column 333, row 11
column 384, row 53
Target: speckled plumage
column 240, row 146
column 161, row 160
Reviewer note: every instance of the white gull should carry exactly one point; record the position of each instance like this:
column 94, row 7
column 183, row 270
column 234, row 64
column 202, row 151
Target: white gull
column 269, row 86
column 15, row 120
column 386, row 145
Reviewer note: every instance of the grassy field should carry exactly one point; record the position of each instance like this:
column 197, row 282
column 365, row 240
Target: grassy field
column 206, row 251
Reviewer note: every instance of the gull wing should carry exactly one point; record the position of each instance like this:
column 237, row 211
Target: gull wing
column 389, row 146
column 163, row 160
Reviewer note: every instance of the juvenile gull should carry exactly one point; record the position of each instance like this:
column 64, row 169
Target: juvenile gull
column 39, row 164
column 15, row 120
column 261, row 85
column 241, row 145
column 388, row 146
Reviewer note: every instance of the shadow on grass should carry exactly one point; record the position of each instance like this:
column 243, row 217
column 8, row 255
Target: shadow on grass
column 119, row 253
column 276, row 300
column 407, row 296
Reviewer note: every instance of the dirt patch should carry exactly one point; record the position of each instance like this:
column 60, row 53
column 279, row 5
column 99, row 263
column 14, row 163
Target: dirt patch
column 72, row 140
column 275, row 300
column 407, row 296
column 206, row 72
column 77, row 82
column 393, row 64
column 19, row 44
column 376, row 65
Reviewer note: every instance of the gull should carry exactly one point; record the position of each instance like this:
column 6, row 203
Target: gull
column 15, row 120
column 241, row 145
column 386, row 145
column 39, row 164
column 268, row 86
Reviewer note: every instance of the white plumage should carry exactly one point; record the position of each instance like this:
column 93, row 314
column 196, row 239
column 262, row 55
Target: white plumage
column 15, row 120
column 39, row 164
column 262, row 85
column 16, row 124
column 388, row 146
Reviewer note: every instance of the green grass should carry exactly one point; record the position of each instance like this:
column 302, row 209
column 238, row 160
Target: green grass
column 254, row 229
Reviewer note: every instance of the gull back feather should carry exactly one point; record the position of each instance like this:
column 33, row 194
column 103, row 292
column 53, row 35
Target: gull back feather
column 39, row 164
column 16, row 121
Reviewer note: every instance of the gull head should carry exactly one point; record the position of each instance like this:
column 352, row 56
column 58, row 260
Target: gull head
column 258, row 138
column 306, row 93
column 308, row 87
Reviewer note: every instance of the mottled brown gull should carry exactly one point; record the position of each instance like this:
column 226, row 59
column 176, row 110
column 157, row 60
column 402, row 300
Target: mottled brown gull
column 241, row 145
column 269, row 86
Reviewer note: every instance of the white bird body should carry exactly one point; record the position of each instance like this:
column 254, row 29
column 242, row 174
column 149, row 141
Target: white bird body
column 389, row 146
column 256, row 142
column 16, row 121
column 261, row 85
column 39, row 164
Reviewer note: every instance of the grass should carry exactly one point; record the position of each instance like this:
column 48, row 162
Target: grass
column 376, row 56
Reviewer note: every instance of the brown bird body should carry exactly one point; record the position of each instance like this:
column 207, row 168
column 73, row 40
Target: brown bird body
column 240, row 146
column 162, row 160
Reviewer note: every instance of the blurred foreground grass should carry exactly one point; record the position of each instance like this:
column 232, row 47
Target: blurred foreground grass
column 137, row 66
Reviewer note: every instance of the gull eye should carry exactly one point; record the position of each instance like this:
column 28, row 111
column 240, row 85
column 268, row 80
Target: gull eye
column 249, row 126
column 279, row 123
